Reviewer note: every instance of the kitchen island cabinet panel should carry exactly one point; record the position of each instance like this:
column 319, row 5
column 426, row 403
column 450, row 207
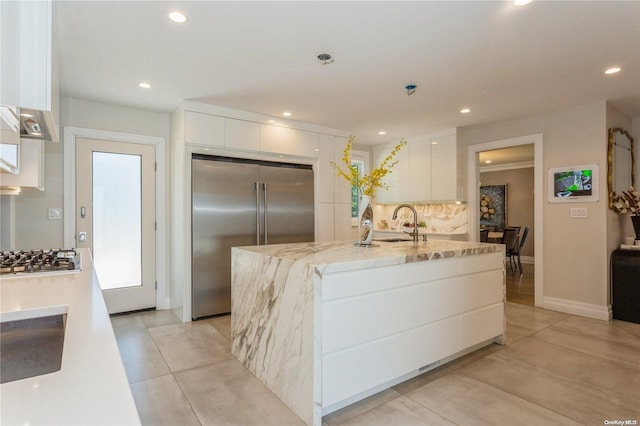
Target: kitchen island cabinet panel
column 204, row 129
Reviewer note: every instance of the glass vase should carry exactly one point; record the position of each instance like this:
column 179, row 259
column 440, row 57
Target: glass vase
column 365, row 221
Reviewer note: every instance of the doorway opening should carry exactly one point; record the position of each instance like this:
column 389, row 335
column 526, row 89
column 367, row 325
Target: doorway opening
column 516, row 170
column 506, row 199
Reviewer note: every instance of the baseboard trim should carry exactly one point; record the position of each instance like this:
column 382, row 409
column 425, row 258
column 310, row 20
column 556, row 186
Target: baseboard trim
column 578, row 308
column 529, row 260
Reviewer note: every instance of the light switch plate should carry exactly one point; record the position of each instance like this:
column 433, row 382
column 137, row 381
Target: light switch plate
column 55, row 213
column 579, row 212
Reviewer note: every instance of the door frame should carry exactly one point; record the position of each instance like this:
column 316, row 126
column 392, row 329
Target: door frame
column 69, row 195
column 473, row 195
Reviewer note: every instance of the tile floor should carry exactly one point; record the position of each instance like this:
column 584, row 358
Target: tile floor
column 555, row 369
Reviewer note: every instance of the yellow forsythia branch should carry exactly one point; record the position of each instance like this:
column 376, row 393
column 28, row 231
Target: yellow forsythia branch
column 367, row 184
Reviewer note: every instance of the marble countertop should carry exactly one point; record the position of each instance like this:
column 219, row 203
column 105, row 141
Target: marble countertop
column 420, row 230
column 91, row 388
column 339, row 256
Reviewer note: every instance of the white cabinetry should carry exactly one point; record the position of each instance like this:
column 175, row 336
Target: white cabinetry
column 288, row 141
column 333, row 194
column 26, row 54
column 204, row 129
column 420, row 170
column 240, row 134
column 405, row 318
column 426, row 170
column 31, row 172
column 399, row 179
column 444, row 178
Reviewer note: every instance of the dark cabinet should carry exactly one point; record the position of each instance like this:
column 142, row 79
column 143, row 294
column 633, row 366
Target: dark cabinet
column 625, row 285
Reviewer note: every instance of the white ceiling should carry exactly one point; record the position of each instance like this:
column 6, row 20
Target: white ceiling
column 500, row 60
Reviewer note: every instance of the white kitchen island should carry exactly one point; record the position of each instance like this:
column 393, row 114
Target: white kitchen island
column 91, row 387
column 324, row 325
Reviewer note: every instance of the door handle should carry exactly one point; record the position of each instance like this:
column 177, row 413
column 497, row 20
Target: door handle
column 83, row 212
column 264, row 193
column 82, row 237
column 257, row 188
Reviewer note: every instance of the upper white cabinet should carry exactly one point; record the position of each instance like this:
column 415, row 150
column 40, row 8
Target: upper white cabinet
column 204, row 129
column 215, row 131
column 398, row 179
column 288, row 141
column 240, row 134
column 444, row 176
column 26, row 54
column 426, row 170
column 420, row 169
column 31, row 172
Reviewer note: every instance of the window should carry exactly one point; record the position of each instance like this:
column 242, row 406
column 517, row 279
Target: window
column 360, row 160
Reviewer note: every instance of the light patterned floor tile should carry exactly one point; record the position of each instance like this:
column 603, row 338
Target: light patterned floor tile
column 466, row 401
column 226, row 393
column 400, row 411
column 160, row 401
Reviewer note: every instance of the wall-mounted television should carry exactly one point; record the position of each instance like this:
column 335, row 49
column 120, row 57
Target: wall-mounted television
column 575, row 184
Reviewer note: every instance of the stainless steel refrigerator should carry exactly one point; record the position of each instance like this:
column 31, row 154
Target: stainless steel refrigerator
column 237, row 202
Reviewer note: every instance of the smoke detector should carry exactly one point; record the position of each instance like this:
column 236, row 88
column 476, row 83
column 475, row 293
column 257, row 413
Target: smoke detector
column 325, row 58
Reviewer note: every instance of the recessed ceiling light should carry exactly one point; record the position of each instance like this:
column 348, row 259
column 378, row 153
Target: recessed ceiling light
column 178, row 17
column 382, row 133
column 487, row 162
column 613, row 70
column 144, row 85
column 465, row 110
column 434, row 143
column 286, row 114
column 521, row 2
column 24, row 114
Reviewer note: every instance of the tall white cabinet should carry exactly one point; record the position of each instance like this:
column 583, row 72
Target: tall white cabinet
column 426, row 170
column 333, row 197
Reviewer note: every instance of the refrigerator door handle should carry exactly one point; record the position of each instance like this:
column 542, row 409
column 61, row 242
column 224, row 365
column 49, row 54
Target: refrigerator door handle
column 264, row 192
column 257, row 188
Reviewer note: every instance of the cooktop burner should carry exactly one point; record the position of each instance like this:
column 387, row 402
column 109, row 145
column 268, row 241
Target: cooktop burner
column 39, row 261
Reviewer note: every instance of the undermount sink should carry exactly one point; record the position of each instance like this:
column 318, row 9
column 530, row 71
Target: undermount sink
column 31, row 346
column 392, row 240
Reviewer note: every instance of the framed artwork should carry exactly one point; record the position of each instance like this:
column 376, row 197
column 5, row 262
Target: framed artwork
column 574, row 184
column 493, row 206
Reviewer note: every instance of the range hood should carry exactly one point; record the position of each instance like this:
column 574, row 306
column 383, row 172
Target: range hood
column 36, row 124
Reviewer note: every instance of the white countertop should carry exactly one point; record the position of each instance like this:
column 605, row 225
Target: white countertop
column 91, row 388
column 339, row 256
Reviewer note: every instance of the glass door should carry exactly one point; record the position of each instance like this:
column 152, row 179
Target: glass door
column 115, row 186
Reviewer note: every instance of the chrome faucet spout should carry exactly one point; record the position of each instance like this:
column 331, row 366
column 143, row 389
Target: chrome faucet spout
column 414, row 234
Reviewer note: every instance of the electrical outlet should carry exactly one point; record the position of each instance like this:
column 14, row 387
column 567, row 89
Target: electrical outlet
column 579, row 212
column 55, row 213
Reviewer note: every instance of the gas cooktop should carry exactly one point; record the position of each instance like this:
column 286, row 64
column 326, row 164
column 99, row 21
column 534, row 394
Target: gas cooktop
column 39, row 261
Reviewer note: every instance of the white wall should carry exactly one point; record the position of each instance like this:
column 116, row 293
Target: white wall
column 575, row 251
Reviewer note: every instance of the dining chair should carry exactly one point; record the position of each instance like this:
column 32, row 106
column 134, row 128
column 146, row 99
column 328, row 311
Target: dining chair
column 484, row 235
column 509, row 238
column 519, row 248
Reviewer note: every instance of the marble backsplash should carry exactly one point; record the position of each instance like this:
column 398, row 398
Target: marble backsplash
column 446, row 218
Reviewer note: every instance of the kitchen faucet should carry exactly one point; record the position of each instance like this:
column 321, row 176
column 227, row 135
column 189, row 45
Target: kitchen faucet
column 414, row 234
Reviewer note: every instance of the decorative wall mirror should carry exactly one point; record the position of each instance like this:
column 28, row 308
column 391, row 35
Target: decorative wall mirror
column 620, row 174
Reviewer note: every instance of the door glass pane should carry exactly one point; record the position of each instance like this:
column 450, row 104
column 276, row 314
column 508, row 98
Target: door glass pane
column 117, row 218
